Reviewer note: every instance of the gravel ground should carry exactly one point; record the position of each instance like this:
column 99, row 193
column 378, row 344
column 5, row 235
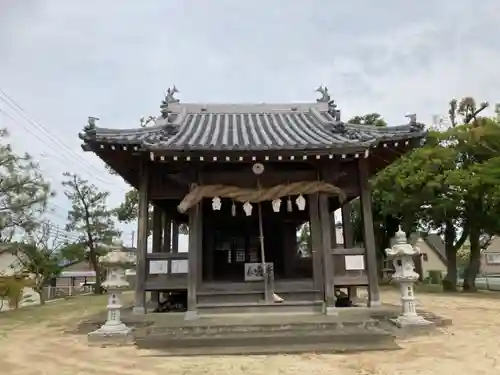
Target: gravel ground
column 32, row 344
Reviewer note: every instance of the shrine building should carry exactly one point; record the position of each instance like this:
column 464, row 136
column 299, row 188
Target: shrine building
column 245, row 178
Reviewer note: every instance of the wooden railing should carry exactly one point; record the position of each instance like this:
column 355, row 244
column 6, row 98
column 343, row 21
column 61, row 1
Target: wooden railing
column 349, row 266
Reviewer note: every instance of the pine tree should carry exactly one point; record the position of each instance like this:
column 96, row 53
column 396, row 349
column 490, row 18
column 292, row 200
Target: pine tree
column 90, row 218
column 23, row 192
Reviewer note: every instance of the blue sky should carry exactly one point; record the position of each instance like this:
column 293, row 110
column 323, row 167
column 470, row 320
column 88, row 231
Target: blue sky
column 62, row 61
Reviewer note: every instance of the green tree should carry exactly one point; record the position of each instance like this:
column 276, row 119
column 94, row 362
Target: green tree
column 11, row 289
column 384, row 225
column 373, row 119
column 478, row 145
column 304, row 245
column 415, row 190
column 129, row 209
column 90, row 218
column 23, row 192
column 448, row 185
column 41, row 256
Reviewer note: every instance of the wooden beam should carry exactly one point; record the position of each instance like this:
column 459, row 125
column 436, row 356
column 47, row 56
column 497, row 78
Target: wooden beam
column 347, row 251
column 167, row 256
column 368, row 235
column 142, row 241
column 193, row 263
column 326, row 242
column 316, row 241
column 247, row 178
column 167, row 282
column 349, row 281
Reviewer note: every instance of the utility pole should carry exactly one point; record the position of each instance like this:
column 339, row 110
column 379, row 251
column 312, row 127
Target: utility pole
column 133, row 238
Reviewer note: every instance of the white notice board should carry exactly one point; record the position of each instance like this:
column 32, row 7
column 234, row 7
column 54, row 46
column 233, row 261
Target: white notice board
column 354, row 262
column 158, row 267
column 180, row 266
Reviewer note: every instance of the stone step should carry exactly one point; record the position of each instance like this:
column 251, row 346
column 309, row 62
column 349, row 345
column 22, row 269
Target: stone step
column 270, row 343
column 270, row 328
column 298, row 307
column 316, row 348
column 254, row 296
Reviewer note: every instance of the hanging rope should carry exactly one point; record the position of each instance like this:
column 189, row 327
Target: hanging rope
column 258, row 194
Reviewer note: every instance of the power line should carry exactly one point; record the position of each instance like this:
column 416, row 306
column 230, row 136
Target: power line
column 52, row 138
column 36, row 124
column 57, row 157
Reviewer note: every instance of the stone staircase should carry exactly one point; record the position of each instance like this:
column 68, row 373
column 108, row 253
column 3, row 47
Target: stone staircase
column 253, row 336
column 213, row 301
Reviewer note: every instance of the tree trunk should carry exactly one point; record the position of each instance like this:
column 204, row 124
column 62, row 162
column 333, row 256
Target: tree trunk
column 450, row 280
column 95, row 265
column 474, row 261
column 39, row 290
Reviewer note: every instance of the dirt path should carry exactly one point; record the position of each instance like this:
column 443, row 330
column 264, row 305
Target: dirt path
column 471, row 346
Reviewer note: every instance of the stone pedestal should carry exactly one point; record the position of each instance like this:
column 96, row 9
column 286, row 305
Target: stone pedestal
column 114, row 331
column 402, row 254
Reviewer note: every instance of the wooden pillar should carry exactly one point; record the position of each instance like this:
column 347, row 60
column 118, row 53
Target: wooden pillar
column 368, row 235
column 157, row 245
column 175, row 236
column 194, row 265
column 157, row 229
column 348, row 234
column 289, row 248
column 208, row 252
column 347, row 229
column 167, row 233
column 316, row 241
column 142, row 242
column 326, row 242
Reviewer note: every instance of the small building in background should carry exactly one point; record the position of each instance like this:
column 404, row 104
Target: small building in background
column 9, row 266
column 490, row 258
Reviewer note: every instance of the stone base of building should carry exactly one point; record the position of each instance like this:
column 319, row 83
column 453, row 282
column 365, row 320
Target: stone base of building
column 139, row 310
column 191, row 315
column 115, row 336
column 331, row 311
column 403, row 321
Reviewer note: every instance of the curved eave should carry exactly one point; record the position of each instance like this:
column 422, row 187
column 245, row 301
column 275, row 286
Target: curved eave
column 136, row 140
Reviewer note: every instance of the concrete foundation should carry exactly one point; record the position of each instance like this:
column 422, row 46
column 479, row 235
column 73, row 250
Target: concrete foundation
column 119, row 337
column 411, row 321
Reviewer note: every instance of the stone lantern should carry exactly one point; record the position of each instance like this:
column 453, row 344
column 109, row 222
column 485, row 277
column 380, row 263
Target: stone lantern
column 402, row 254
column 116, row 262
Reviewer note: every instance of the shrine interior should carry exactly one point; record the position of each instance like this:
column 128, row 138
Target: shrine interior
column 231, row 241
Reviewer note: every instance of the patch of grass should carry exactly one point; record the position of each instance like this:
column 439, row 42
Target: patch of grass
column 72, row 308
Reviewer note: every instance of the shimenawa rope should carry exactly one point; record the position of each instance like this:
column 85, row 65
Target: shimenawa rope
column 258, row 194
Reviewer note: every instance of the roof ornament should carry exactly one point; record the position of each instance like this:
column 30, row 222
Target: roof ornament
column 144, row 122
column 91, row 126
column 169, row 99
column 414, row 125
column 325, row 96
column 412, row 117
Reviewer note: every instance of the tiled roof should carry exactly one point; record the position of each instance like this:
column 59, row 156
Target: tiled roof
column 252, row 127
